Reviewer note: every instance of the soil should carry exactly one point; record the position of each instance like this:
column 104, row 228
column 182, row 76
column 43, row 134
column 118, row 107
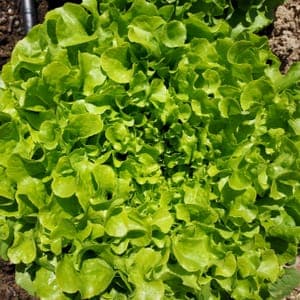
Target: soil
column 284, row 39
column 285, row 36
column 12, row 25
column 8, row 288
column 11, row 29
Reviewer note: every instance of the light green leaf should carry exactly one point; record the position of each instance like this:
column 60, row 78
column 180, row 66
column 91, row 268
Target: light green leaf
column 142, row 31
column 72, row 25
column 67, row 276
column 117, row 65
column 146, row 260
column 91, row 72
column 295, row 124
column 257, row 92
column 46, row 285
column 32, row 189
column 243, row 290
column 95, row 276
column 248, row 263
column 227, row 266
column 83, row 126
column 163, row 220
column 149, row 290
column 158, row 92
column 196, row 195
column 182, row 212
column 49, row 134
column 23, row 249
column 24, row 280
column 64, row 187
column 174, row 34
column 55, row 73
column 193, row 254
column 239, row 180
column 240, row 210
column 105, row 177
column 269, row 267
column 65, row 228
column 116, row 224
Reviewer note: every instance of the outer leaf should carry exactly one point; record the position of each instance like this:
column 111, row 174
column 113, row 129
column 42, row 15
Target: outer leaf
column 227, row 267
column 23, row 249
column 64, row 187
column 174, row 34
column 91, row 72
column 269, row 267
column 67, row 277
column 83, row 126
column 95, row 276
column 150, row 290
column 193, row 254
column 116, row 63
column 117, row 223
column 285, row 284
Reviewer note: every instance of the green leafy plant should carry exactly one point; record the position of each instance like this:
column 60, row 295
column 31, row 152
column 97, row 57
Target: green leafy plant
column 148, row 151
column 285, row 285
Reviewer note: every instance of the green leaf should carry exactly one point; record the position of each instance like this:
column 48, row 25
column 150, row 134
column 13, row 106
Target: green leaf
column 67, row 276
column 64, row 228
column 295, row 124
column 142, row 31
column 116, row 224
column 240, row 210
column 269, row 267
column 49, row 134
column 163, row 220
column 91, row 72
column 292, row 76
column 243, row 290
column 174, row 34
column 4, row 229
column 64, row 187
column 24, row 280
column 285, row 284
column 256, row 93
column 227, row 266
column 117, row 65
column 239, row 180
column 95, row 276
column 146, row 260
column 45, row 284
column 55, row 74
column 192, row 253
column 150, row 290
column 105, row 177
column 248, row 263
column 83, row 126
column 71, row 25
column 34, row 190
column 23, row 249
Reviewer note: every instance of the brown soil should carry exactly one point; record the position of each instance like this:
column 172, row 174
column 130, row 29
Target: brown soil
column 285, row 37
column 12, row 25
column 284, row 40
column 8, row 288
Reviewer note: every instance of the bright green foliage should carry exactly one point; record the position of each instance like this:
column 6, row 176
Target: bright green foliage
column 149, row 151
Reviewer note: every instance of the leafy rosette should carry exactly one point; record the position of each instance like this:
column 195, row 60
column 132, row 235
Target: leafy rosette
column 147, row 153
